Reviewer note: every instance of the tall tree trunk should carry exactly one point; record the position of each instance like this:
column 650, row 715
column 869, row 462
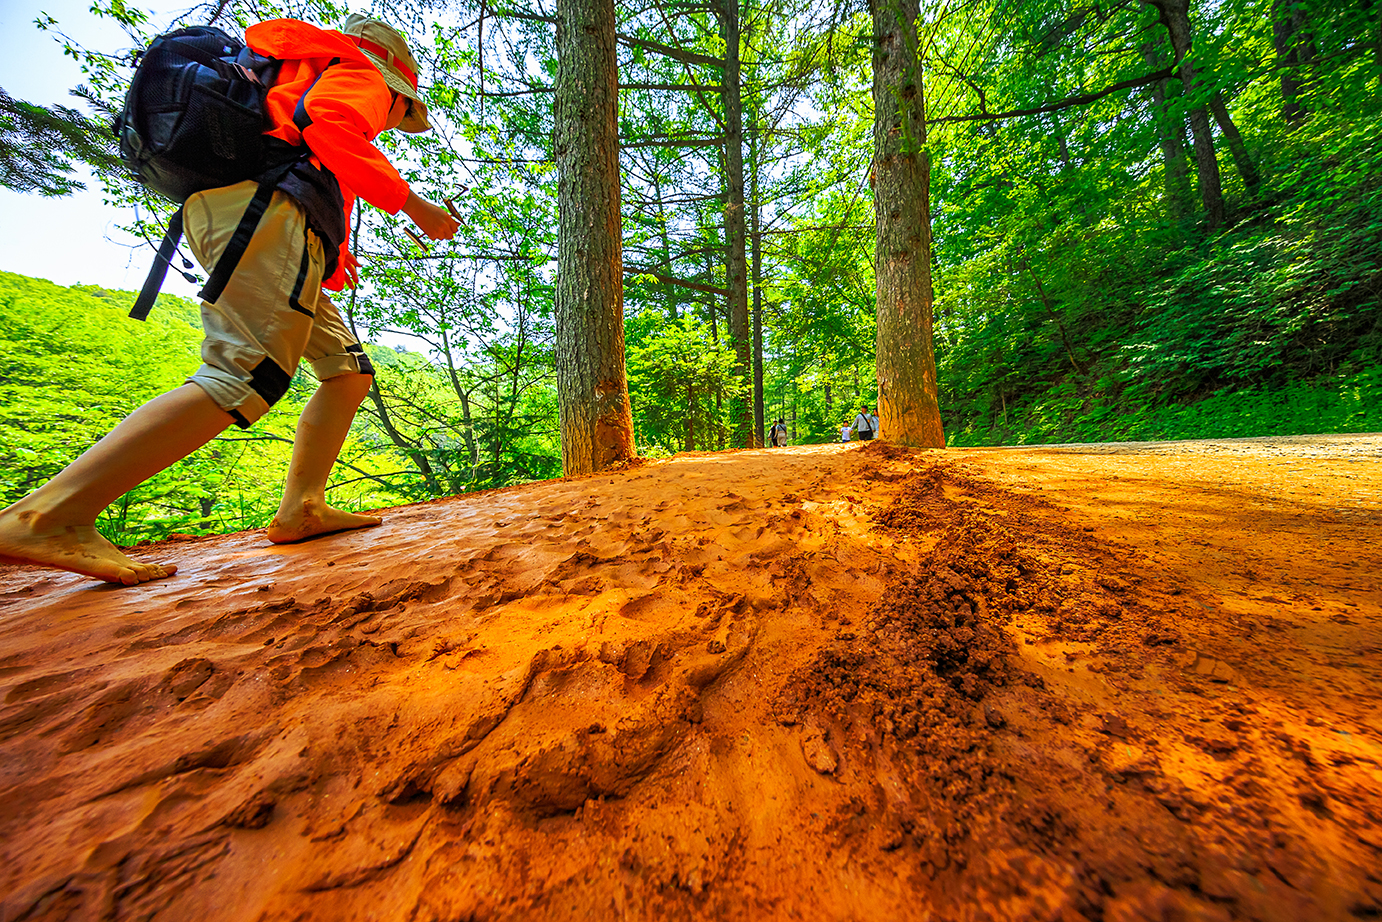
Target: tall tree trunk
column 736, row 262
column 1242, row 160
column 1171, row 134
column 669, row 291
column 757, row 269
column 592, row 387
column 1175, row 16
column 757, row 341
column 1294, row 47
column 908, row 403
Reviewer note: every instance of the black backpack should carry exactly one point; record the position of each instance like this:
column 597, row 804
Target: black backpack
column 194, row 119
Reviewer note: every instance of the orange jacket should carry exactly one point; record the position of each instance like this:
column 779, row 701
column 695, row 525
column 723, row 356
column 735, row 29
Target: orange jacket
column 348, row 108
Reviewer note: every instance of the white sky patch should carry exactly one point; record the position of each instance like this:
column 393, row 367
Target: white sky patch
column 74, row 239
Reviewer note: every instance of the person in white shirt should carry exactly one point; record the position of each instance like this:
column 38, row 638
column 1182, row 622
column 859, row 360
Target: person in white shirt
column 845, row 430
column 777, row 436
column 877, row 430
column 863, row 424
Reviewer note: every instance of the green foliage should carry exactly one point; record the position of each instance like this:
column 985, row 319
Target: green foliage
column 1077, row 299
column 38, row 146
column 1080, row 292
column 1350, row 401
column 76, row 365
column 676, row 373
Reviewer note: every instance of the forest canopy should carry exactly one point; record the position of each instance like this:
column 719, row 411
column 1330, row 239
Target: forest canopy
column 1155, row 219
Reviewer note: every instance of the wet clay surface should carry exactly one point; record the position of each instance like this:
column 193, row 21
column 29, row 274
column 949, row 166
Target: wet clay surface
column 826, row 682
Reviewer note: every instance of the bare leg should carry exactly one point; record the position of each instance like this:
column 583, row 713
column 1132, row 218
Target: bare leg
column 322, row 431
column 55, row 526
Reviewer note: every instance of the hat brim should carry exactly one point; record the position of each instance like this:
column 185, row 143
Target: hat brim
column 415, row 122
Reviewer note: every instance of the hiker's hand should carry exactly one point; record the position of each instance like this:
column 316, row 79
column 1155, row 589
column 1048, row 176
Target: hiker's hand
column 351, row 267
column 433, row 220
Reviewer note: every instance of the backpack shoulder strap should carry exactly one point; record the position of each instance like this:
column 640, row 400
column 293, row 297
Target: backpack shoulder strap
column 154, row 281
column 249, row 222
column 300, row 117
column 268, row 182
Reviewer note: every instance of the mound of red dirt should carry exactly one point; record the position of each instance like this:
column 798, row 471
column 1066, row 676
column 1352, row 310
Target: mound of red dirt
column 829, row 682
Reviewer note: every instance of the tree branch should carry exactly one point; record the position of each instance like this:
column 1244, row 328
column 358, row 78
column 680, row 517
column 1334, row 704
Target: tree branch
column 1083, row 99
column 676, row 54
column 669, row 280
column 674, row 142
column 364, row 475
column 485, row 257
column 529, row 92
column 685, row 87
column 523, row 15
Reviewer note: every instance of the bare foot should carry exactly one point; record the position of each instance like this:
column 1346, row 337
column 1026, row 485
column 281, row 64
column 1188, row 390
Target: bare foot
column 314, row 519
column 24, row 539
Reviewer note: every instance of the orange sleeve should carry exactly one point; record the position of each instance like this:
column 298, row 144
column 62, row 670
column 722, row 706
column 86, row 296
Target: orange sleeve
column 348, row 109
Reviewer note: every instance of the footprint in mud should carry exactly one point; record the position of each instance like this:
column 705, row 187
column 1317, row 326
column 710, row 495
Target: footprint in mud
column 151, row 880
column 103, row 719
column 43, row 685
column 641, row 659
column 325, row 663
column 25, row 717
column 186, row 677
column 219, row 754
column 155, row 641
column 362, row 857
column 658, row 606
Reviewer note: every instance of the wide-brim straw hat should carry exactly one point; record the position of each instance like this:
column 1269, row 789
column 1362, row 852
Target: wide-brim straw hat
column 388, row 51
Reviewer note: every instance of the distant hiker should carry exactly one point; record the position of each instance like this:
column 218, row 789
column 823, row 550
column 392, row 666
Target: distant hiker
column 845, row 430
column 777, row 436
column 335, row 93
column 864, row 424
column 877, row 429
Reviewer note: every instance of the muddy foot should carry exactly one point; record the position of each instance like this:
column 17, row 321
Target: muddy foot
column 314, row 519
column 78, row 548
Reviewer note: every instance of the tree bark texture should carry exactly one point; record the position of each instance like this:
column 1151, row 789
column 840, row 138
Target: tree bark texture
column 757, row 268
column 1175, row 16
column 908, row 402
column 592, row 386
column 736, row 261
column 1171, row 134
column 1237, row 148
column 1294, row 47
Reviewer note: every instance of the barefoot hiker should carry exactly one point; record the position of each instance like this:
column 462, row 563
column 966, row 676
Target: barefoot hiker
column 362, row 82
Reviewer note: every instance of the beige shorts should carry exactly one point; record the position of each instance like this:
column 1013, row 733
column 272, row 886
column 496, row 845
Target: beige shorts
column 273, row 312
